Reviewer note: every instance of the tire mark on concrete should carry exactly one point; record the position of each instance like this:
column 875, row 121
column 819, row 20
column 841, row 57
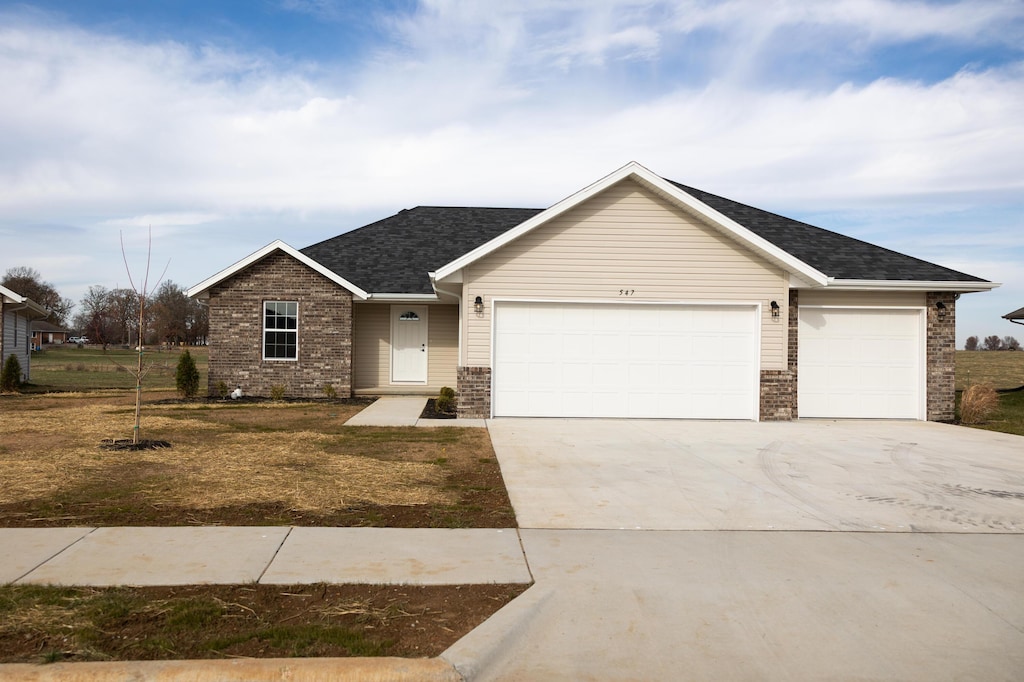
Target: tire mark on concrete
column 768, row 461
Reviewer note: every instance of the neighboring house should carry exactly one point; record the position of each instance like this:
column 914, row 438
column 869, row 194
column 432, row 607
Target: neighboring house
column 634, row 297
column 1017, row 316
column 44, row 333
column 16, row 315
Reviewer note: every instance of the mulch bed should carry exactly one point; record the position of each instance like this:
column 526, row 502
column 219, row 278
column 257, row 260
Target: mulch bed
column 430, row 411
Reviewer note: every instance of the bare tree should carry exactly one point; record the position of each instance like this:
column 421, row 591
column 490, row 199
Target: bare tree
column 170, row 316
column 141, row 369
column 28, row 282
column 1010, row 343
column 972, row 343
column 993, row 343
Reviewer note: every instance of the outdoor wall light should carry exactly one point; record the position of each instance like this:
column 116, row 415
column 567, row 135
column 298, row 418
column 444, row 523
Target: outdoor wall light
column 478, row 304
column 775, row 309
column 941, row 307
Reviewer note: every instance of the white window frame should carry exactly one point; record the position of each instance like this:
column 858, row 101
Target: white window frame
column 266, row 329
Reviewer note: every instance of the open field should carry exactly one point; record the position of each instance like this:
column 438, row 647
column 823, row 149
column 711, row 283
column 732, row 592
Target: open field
column 69, row 368
column 1003, row 370
column 238, row 464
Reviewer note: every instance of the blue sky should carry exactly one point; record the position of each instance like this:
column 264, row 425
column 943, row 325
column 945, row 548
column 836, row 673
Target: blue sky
column 226, row 125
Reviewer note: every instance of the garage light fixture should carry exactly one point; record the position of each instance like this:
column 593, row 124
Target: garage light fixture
column 941, row 307
column 775, row 309
column 478, row 305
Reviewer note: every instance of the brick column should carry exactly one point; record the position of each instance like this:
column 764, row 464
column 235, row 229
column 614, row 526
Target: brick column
column 778, row 387
column 474, row 393
column 941, row 356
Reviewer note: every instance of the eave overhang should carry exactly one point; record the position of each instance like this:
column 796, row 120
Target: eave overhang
column 23, row 303
column 909, row 285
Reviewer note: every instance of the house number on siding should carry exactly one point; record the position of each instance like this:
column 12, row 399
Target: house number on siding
column 627, row 292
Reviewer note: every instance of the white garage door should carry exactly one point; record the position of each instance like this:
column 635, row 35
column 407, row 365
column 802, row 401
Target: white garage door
column 860, row 363
column 634, row 360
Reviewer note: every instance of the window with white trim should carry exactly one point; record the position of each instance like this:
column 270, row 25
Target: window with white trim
column 280, row 330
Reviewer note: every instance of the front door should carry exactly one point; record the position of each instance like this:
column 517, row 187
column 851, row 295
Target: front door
column 409, row 344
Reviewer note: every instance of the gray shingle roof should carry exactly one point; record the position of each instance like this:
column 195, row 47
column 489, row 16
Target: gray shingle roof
column 395, row 254
column 829, row 252
column 1015, row 315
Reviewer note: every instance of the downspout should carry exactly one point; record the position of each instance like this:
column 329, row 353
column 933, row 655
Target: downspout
column 458, row 297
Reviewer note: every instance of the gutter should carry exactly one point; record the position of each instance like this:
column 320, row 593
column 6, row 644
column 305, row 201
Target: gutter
column 458, row 297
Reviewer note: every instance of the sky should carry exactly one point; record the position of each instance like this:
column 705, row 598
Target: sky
column 218, row 127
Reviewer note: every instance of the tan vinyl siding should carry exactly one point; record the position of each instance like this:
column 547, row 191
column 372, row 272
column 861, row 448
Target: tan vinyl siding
column 442, row 345
column 861, row 298
column 371, row 334
column 372, row 353
column 626, row 238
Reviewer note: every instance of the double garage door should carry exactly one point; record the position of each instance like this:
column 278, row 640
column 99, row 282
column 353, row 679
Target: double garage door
column 625, row 360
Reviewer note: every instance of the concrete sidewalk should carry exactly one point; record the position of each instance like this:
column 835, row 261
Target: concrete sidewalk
column 268, row 555
column 404, row 410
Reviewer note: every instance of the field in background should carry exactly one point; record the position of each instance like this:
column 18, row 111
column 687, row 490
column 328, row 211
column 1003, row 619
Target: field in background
column 70, row 368
column 1002, row 369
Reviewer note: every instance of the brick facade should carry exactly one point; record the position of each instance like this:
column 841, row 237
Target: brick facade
column 324, row 331
column 778, row 400
column 474, row 392
column 941, row 356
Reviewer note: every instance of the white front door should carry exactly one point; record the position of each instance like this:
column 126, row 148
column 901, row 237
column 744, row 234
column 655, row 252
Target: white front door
column 409, row 344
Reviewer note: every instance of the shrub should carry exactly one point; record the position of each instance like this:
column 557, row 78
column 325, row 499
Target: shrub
column 10, row 376
column 978, row 403
column 277, row 392
column 186, row 378
column 222, row 390
column 330, row 392
column 445, row 401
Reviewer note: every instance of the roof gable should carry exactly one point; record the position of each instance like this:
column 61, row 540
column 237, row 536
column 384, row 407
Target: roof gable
column 638, row 173
column 229, row 272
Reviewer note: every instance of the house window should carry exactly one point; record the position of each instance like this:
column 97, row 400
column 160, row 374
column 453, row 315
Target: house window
column 280, row 330
column 409, row 317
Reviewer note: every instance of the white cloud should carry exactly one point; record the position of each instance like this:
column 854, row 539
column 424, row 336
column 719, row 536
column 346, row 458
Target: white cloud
column 163, row 220
column 493, row 104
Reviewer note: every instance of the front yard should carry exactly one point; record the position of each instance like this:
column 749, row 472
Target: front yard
column 230, row 463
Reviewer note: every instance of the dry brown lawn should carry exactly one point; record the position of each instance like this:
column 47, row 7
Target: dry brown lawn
column 231, row 463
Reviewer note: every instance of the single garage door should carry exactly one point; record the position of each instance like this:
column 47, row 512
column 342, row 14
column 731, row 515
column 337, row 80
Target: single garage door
column 860, row 363
column 625, row 360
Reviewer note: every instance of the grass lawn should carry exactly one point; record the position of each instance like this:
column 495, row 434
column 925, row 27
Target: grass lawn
column 1004, row 370
column 69, row 368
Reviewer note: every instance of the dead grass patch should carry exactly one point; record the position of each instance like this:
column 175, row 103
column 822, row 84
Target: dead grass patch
column 288, row 463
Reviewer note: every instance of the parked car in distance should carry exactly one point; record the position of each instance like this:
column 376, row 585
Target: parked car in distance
column 78, row 339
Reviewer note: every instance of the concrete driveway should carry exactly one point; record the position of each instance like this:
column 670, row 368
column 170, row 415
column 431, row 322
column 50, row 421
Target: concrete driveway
column 803, row 475
column 754, row 573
